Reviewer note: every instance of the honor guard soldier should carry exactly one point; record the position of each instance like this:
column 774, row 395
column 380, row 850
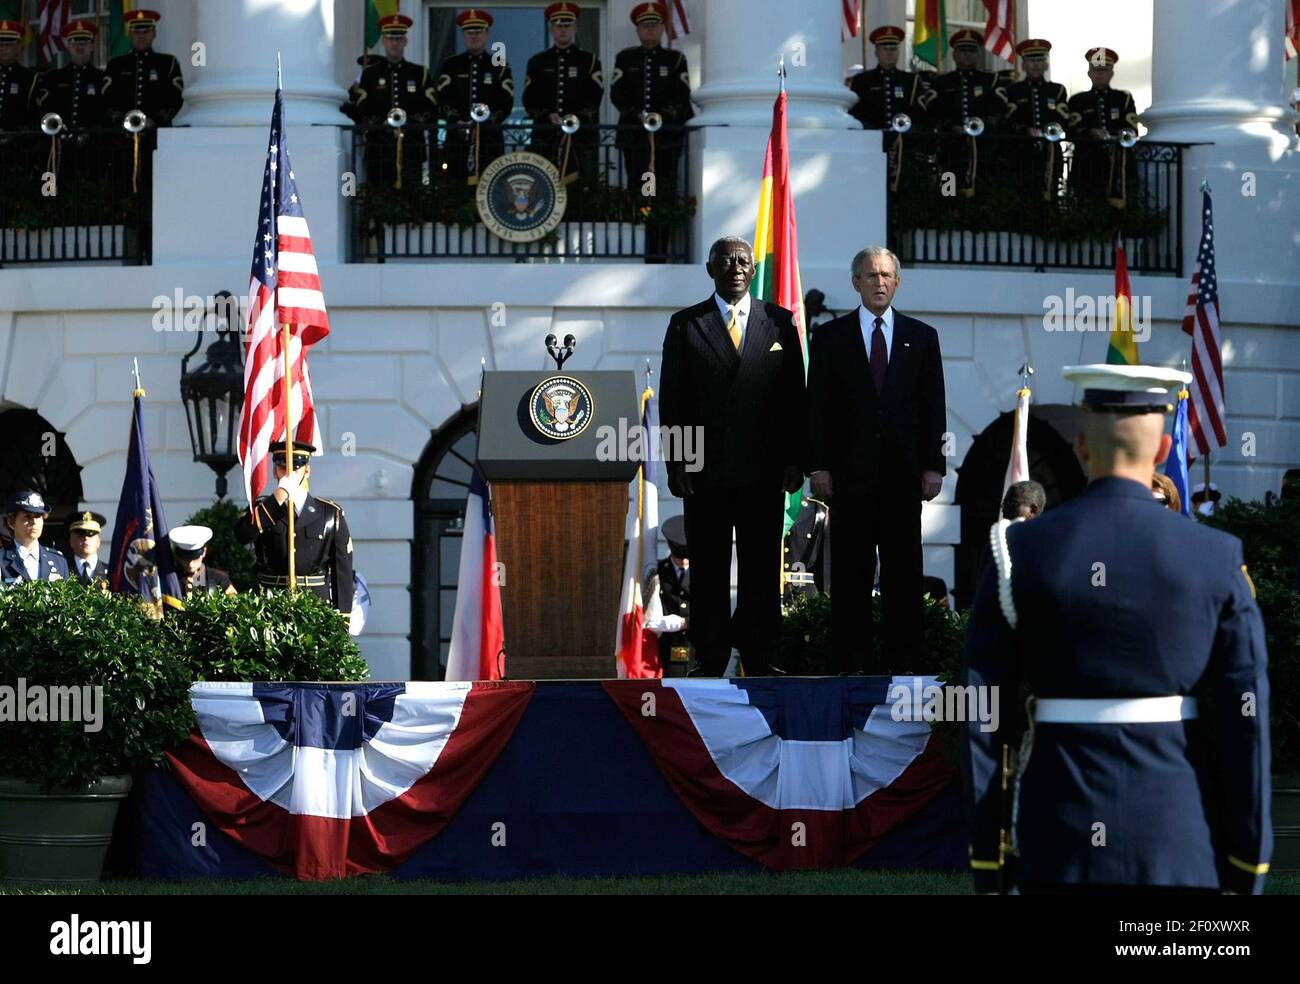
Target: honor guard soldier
column 25, row 558
column 384, row 87
column 467, row 80
column 84, row 534
column 671, row 577
column 1098, row 118
column 323, row 545
column 886, row 90
column 650, row 79
column 1034, row 105
column 1145, row 763
column 961, row 96
column 564, row 80
column 190, row 549
column 17, row 82
column 145, row 79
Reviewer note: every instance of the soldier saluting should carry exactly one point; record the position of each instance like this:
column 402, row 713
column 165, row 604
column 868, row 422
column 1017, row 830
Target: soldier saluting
column 464, row 81
column 564, row 80
column 322, row 543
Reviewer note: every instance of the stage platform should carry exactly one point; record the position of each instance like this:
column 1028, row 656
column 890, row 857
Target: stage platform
column 518, row 779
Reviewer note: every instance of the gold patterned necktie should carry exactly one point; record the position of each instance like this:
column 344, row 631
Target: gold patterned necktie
column 733, row 326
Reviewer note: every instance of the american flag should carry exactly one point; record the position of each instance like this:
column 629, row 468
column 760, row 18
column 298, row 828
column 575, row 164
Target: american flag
column 850, row 29
column 53, row 19
column 1201, row 321
column 677, row 22
column 1000, row 31
column 284, row 289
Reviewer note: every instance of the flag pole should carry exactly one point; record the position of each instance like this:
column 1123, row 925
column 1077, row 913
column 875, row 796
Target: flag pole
column 288, row 405
column 862, row 31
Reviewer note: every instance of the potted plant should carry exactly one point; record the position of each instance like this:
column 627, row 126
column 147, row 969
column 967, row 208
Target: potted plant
column 88, row 693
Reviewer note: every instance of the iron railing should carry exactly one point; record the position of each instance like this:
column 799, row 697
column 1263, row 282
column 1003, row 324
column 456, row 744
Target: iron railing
column 1023, row 208
column 433, row 214
column 70, row 198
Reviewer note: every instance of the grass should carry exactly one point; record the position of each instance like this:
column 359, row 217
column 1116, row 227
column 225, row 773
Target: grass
column 839, row 882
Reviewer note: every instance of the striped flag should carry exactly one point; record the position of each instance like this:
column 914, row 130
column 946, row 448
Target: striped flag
column 375, row 9
column 678, row 24
column 53, row 18
column 1176, row 464
column 285, row 289
column 930, row 32
column 477, row 631
column 1123, row 349
column 642, row 532
column 1000, row 31
column 1205, row 412
column 1291, row 40
column 776, row 248
column 119, row 39
column 850, row 28
column 1018, row 464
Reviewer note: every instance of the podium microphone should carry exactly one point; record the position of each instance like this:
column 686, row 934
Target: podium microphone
column 560, row 354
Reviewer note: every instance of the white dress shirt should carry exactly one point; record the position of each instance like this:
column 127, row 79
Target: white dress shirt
column 742, row 313
column 86, row 565
column 867, row 321
column 31, row 558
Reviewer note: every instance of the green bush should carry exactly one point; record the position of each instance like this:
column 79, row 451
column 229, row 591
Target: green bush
column 224, row 551
column 264, row 637
column 67, row 635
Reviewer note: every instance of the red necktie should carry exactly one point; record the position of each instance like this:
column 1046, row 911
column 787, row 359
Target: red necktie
column 879, row 356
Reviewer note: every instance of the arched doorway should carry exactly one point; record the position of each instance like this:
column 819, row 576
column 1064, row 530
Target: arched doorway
column 1052, row 463
column 33, row 455
column 441, row 484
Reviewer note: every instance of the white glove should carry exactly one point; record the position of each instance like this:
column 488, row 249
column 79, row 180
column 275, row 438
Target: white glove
column 666, row 623
column 297, row 494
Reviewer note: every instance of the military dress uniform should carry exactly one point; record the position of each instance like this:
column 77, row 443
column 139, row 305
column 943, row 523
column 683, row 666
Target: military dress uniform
column 47, row 563
column 463, row 80
column 322, row 543
column 20, row 141
column 1102, row 168
column 79, row 94
column 673, row 584
column 650, row 80
column 883, row 93
column 17, row 86
column 1093, row 611
column 386, row 85
column 960, row 95
column 188, row 545
column 88, row 570
column 1035, row 104
column 149, row 81
column 563, row 81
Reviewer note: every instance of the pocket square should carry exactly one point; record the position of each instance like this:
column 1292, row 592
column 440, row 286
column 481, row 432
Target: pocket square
column 776, row 347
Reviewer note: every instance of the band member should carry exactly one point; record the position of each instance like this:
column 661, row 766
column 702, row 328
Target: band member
column 17, row 82
column 25, row 558
column 671, row 578
column 1033, row 105
column 145, row 79
column 962, row 96
column 190, row 549
column 323, row 545
column 649, row 78
column 1098, row 117
column 564, row 80
column 84, row 534
column 465, row 81
column 79, row 94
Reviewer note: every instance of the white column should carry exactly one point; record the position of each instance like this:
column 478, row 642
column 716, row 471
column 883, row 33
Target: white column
column 744, row 41
column 1217, row 73
column 241, row 39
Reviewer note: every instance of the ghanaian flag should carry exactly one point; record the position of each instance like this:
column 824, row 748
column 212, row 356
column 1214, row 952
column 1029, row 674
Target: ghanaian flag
column 1123, row 347
column 376, row 9
column 776, row 247
column 930, row 33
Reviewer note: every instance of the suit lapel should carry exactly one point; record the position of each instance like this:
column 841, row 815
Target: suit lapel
column 715, row 334
column 760, row 333
column 899, row 352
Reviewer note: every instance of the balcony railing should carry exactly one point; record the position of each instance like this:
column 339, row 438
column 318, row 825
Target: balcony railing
column 70, row 198
column 1023, row 208
column 433, row 215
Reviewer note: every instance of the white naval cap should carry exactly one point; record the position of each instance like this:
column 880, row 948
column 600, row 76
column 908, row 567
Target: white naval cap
column 1126, row 389
column 189, row 539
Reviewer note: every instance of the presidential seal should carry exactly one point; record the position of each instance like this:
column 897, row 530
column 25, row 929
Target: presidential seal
column 560, row 407
column 520, row 197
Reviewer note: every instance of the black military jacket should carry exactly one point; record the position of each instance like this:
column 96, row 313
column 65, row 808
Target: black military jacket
column 78, row 93
column 563, row 80
column 148, row 81
column 466, row 79
column 385, row 85
column 883, row 94
column 17, row 87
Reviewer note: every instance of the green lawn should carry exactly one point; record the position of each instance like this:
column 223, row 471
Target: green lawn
column 843, row 882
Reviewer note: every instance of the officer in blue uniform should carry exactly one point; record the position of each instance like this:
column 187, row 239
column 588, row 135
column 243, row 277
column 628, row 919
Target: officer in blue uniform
column 1128, row 653
column 25, row 558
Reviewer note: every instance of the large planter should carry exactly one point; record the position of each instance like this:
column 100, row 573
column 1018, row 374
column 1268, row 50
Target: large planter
column 1286, row 823
column 60, row 836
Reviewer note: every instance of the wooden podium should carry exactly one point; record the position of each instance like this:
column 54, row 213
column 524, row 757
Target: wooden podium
column 560, row 514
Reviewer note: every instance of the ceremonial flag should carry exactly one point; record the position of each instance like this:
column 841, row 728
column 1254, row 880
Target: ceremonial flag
column 776, row 247
column 1176, row 463
column 1000, row 31
column 850, row 29
column 1018, row 465
column 477, row 631
column 930, row 32
column 1291, row 42
column 642, row 531
column 376, row 9
column 141, row 559
column 1123, row 349
column 284, row 289
column 53, row 18
column 1205, row 413
column 677, row 22
column 119, row 40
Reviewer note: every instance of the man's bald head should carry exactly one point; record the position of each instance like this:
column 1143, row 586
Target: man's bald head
column 1128, row 445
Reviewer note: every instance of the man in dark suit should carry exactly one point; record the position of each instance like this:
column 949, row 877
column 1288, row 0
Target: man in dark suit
column 1114, row 613
column 84, row 534
column 733, row 372
column 877, row 419
column 25, row 558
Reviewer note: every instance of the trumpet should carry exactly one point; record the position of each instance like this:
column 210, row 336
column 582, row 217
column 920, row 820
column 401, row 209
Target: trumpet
column 901, row 123
column 135, row 121
column 479, row 112
column 1054, row 132
column 1127, row 137
column 396, row 118
column 569, row 123
column 51, row 124
column 973, row 126
column 652, row 122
